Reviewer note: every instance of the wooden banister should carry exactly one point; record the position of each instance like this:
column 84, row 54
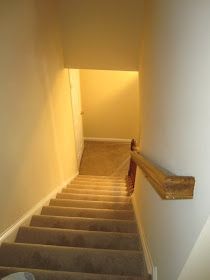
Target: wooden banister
column 132, row 169
column 166, row 184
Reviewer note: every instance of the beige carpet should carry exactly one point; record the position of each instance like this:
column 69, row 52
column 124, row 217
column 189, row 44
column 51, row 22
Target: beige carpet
column 105, row 159
column 88, row 232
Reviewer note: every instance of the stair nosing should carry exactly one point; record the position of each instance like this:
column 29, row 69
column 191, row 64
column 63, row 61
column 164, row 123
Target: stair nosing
column 89, row 200
column 88, row 218
column 82, row 200
column 80, row 231
column 83, row 209
column 57, row 247
column 92, row 190
column 102, row 203
column 99, row 195
column 100, row 184
column 83, row 192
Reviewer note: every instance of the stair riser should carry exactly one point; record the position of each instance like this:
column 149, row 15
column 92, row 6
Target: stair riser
column 75, row 238
column 88, row 213
column 84, row 224
column 94, row 192
column 90, row 204
column 93, row 197
column 64, row 259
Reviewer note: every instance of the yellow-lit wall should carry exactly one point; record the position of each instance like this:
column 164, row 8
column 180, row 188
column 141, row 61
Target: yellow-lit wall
column 101, row 34
column 110, row 100
column 37, row 148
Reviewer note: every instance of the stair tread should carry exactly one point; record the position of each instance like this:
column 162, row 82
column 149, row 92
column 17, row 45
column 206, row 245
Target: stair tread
column 98, row 184
column 91, row 209
column 41, row 274
column 89, row 219
column 123, row 262
column 95, row 192
column 109, row 252
column 99, row 176
column 95, row 197
column 125, row 234
column 96, row 204
column 78, row 238
column 106, row 195
column 96, row 187
column 92, row 224
column 88, row 212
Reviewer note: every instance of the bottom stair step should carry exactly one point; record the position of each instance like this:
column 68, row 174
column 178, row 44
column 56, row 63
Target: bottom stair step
column 91, row 224
column 117, row 262
column 62, row 275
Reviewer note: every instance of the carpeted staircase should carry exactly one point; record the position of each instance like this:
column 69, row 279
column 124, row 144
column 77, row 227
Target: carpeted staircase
column 87, row 233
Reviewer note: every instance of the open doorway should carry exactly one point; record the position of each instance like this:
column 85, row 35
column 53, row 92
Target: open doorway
column 74, row 79
column 106, row 117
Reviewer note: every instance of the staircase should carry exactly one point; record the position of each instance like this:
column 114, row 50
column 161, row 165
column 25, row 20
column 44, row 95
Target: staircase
column 88, row 232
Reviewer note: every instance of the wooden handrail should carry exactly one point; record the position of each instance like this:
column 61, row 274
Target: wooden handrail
column 166, row 184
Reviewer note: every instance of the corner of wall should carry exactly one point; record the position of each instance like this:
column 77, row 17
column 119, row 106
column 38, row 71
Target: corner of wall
column 197, row 264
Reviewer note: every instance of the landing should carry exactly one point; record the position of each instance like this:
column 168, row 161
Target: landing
column 105, row 159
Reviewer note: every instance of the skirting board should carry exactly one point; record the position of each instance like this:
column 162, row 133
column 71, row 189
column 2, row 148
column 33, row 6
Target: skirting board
column 152, row 270
column 115, row 140
column 10, row 233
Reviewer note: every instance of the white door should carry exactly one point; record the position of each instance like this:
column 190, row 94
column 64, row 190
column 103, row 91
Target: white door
column 74, row 78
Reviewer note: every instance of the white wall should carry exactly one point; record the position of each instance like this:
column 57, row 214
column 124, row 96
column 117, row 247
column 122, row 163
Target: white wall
column 101, row 34
column 110, row 100
column 175, row 127
column 197, row 266
column 37, row 147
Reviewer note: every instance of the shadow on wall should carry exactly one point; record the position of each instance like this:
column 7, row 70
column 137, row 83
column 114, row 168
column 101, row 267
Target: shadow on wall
column 36, row 124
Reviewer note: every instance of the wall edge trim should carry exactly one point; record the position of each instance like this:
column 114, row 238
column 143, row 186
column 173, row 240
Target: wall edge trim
column 9, row 234
column 119, row 140
column 152, row 270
